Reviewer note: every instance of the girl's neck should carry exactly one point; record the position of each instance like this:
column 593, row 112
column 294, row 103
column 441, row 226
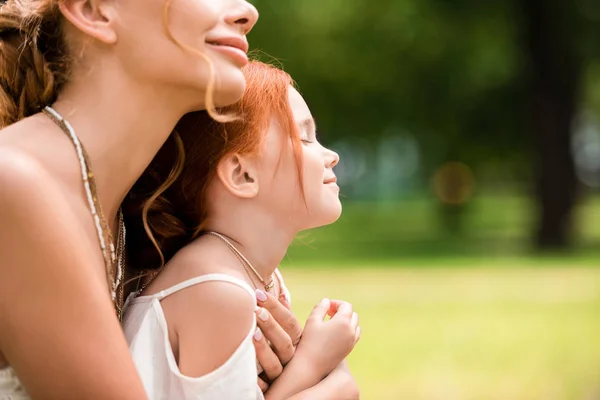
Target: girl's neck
column 263, row 244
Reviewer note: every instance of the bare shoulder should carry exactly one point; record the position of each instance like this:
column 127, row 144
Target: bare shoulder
column 23, row 179
column 210, row 321
column 31, row 198
column 57, row 325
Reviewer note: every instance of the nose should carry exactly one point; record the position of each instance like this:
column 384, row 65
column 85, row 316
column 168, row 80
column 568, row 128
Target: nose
column 243, row 17
column 331, row 158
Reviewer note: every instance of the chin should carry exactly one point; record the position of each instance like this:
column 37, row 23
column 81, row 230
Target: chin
column 336, row 213
column 327, row 216
column 230, row 89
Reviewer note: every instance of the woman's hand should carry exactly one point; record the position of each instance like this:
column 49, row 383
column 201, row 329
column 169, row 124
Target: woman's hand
column 279, row 327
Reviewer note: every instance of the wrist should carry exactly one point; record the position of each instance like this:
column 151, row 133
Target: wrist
column 297, row 376
column 306, row 368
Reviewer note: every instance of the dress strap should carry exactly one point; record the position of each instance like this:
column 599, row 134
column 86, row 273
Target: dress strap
column 201, row 279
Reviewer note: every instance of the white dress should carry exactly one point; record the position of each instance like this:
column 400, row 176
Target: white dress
column 147, row 334
column 144, row 351
column 10, row 386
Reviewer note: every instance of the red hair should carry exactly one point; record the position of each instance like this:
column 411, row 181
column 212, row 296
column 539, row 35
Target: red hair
column 167, row 207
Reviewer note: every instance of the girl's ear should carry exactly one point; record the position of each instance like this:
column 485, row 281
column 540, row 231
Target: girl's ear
column 239, row 175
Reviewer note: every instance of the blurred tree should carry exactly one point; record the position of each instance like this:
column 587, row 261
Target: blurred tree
column 485, row 83
column 552, row 31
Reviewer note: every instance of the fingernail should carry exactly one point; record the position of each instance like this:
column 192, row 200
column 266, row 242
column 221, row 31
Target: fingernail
column 283, row 297
column 263, row 315
column 260, row 295
column 258, row 334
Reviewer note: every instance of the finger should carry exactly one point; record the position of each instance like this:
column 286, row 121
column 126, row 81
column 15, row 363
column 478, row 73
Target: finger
column 333, row 308
column 344, row 310
column 263, row 385
column 280, row 341
column 284, row 300
column 357, row 335
column 266, row 357
column 320, row 310
column 354, row 320
column 282, row 315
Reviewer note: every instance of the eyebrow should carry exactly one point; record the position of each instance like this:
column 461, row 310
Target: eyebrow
column 308, row 123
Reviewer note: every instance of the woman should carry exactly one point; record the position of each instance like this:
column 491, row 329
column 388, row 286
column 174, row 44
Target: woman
column 245, row 190
column 101, row 66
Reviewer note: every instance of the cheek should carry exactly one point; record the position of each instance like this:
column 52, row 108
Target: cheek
column 144, row 45
column 279, row 178
column 190, row 20
column 313, row 171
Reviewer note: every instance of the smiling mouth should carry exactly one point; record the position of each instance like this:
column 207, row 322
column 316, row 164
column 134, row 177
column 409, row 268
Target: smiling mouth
column 234, row 48
column 232, row 42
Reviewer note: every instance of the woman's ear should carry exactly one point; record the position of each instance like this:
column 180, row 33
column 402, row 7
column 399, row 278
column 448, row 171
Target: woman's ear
column 239, row 175
column 92, row 17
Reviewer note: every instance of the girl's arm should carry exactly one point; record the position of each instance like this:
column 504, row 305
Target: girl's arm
column 339, row 385
column 202, row 350
column 222, row 318
column 282, row 329
column 324, row 345
column 58, row 328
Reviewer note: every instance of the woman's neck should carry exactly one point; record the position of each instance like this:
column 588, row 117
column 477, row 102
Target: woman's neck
column 122, row 125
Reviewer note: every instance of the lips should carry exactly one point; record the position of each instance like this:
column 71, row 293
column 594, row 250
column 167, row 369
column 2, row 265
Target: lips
column 330, row 180
column 235, row 42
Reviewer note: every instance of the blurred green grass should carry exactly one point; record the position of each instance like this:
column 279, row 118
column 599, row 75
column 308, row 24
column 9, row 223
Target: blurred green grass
column 474, row 315
column 467, row 333
column 496, row 228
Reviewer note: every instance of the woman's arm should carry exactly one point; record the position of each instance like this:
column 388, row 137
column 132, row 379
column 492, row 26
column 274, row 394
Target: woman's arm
column 58, row 328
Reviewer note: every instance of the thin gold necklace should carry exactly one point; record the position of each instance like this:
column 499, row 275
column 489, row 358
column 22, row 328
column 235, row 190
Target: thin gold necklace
column 247, row 264
column 110, row 254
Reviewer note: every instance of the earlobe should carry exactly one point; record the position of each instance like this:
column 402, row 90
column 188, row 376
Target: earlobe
column 92, row 17
column 238, row 176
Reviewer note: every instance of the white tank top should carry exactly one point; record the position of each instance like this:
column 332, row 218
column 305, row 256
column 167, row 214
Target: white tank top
column 10, row 386
column 147, row 334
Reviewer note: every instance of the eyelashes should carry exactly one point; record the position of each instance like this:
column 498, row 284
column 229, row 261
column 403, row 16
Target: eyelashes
column 312, row 138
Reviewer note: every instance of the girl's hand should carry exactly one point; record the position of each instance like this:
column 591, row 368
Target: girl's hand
column 323, row 347
column 277, row 325
column 325, row 344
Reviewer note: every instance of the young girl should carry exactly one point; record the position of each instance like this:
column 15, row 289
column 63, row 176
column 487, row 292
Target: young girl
column 245, row 190
column 91, row 90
